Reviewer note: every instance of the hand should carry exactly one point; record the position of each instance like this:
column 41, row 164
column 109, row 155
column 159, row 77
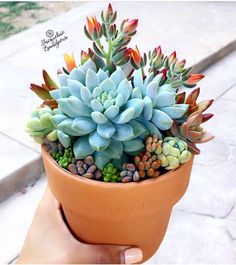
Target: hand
column 49, row 241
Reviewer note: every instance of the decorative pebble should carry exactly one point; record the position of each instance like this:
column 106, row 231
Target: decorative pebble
column 91, row 169
column 88, row 175
column 130, row 173
column 85, row 167
column 136, row 176
column 98, row 174
column 126, row 179
column 73, row 169
column 89, row 160
column 123, row 173
column 81, row 171
column 130, row 167
column 79, row 163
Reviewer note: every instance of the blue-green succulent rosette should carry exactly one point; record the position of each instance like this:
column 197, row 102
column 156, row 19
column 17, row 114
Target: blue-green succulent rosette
column 107, row 115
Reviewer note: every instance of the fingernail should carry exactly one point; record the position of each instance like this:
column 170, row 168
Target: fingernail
column 133, row 255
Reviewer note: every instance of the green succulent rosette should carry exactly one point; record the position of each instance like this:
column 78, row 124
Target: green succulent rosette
column 174, row 152
column 40, row 125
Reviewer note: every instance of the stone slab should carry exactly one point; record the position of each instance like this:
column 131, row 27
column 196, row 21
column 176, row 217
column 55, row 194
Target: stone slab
column 16, row 215
column 19, row 166
column 223, row 124
column 195, row 239
column 230, row 93
column 212, row 188
column 231, row 223
column 219, row 78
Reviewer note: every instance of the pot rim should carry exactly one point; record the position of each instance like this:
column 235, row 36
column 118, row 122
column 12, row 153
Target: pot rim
column 162, row 178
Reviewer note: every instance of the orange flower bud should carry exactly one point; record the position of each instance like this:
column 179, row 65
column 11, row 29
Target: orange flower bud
column 70, row 62
column 135, row 55
column 84, row 57
column 93, row 24
column 129, row 26
column 194, row 78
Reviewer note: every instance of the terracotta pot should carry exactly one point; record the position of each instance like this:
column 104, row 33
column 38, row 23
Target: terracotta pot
column 134, row 214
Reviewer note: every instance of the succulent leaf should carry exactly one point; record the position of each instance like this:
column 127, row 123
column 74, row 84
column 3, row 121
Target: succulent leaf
column 82, row 148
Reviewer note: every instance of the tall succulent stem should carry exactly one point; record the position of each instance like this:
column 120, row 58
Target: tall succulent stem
column 101, row 48
column 110, row 46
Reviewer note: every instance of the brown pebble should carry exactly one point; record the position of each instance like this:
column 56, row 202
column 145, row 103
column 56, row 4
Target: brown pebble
column 79, row 163
column 91, row 169
column 73, row 169
column 130, row 173
column 88, row 175
column 136, row 176
column 123, row 173
column 89, row 160
column 130, row 167
column 85, row 167
column 126, row 179
column 98, row 174
column 81, row 171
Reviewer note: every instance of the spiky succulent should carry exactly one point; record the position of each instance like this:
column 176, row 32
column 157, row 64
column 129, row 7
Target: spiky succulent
column 191, row 131
column 174, row 152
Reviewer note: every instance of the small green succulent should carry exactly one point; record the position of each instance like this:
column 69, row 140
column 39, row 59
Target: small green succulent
column 110, row 173
column 40, row 125
column 174, row 152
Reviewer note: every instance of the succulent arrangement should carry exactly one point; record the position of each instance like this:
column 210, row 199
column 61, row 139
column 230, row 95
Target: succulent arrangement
column 117, row 115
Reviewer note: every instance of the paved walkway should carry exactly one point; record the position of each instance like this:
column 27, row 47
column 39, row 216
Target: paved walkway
column 202, row 227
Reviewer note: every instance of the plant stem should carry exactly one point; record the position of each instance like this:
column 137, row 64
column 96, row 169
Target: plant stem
column 108, row 58
column 101, row 48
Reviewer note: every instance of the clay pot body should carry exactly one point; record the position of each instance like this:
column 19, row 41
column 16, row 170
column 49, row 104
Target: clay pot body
column 135, row 214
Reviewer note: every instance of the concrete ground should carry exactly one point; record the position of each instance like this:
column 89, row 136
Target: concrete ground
column 202, row 227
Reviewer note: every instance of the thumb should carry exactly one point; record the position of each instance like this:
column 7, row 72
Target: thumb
column 108, row 254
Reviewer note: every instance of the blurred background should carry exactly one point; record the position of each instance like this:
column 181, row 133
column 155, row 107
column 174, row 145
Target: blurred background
column 202, row 228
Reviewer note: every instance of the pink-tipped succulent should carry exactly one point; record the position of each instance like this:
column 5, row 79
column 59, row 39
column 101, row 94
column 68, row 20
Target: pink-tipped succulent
column 191, row 100
column 191, row 131
column 174, row 71
column 43, row 90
